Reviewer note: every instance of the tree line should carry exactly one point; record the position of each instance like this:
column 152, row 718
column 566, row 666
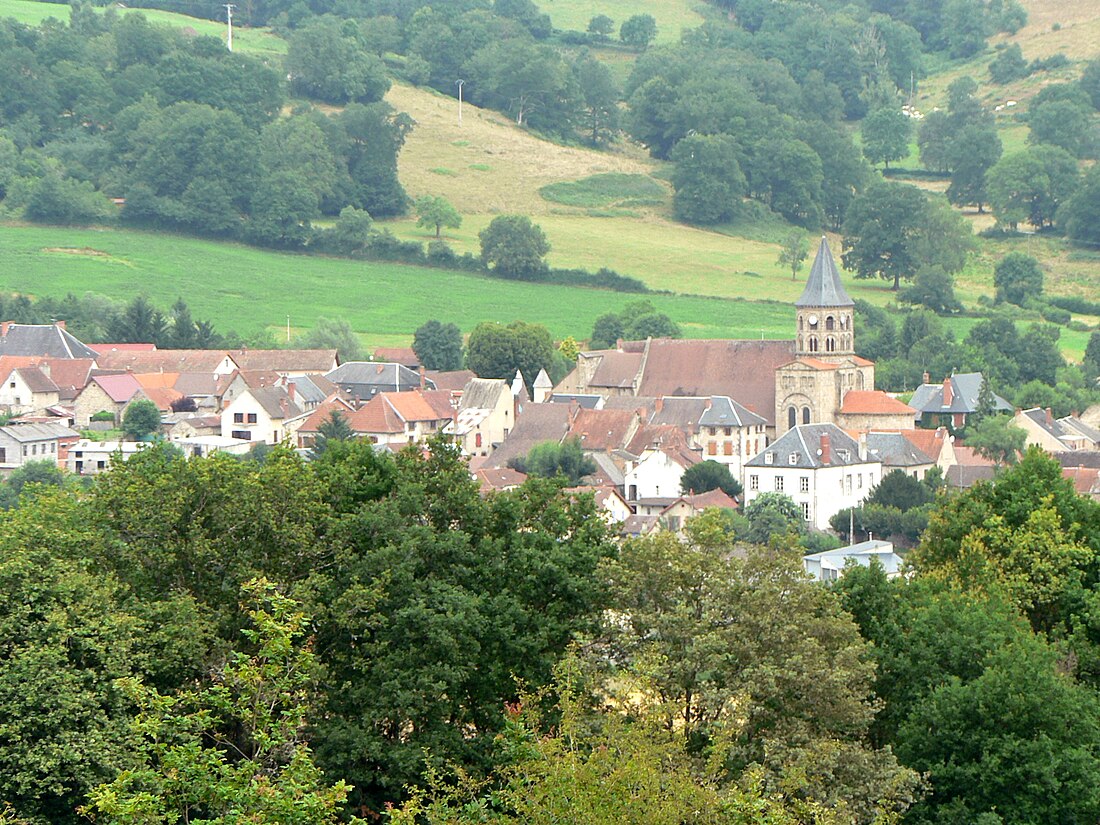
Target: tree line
column 365, row 635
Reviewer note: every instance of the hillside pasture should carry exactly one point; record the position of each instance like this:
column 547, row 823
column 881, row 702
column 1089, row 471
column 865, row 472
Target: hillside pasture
column 672, row 16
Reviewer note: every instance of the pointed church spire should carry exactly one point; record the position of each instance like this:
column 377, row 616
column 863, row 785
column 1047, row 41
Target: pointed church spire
column 823, row 287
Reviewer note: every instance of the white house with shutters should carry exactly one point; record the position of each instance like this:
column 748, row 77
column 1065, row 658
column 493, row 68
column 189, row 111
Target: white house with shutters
column 820, row 467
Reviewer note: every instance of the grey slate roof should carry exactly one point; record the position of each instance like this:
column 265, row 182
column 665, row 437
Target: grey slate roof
column 804, row 443
column 43, row 339
column 307, row 389
column 965, row 387
column 725, row 412
column 585, row 401
column 375, row 376
column 482, row 393
column 895, row 450
column 38, row 432
column 823, row 287
column 272, row 398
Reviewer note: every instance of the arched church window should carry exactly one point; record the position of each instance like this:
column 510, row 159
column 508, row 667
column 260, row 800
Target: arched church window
column 829, row 323
column 792, row 417
column 805, row 415
column 800, row 343
column 799, row 322
column 813, row 343
column 830, row 344
column 859, row 380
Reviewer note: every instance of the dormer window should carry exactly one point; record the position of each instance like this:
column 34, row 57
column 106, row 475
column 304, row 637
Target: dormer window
column 792, row 458
column 769, row 458
column 844, row 454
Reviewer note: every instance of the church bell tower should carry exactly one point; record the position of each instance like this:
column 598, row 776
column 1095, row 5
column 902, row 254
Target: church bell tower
column 825, row 312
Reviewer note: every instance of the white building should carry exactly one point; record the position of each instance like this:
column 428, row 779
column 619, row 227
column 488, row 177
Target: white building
column 829, row 566
column 819, row 466
column 658, row 472
column 260, row 414
column 90, row 457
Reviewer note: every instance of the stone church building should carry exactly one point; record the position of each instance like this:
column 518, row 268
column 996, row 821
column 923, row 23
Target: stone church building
column 798, row 381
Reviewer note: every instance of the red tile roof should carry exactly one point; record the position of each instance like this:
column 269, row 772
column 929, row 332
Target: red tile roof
column 398, row 355
column 325, row 409
column 285, row 360
column 1086, row 480
column 100, row 349
column 164, row 360
column 119, row 388
column 929, row 442
column 874, row 402
column 603, row 430
column 499, row 478
column 966, row 457
column 162, row 397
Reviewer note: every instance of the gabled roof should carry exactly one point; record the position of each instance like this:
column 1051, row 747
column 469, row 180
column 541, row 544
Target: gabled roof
column 1086, row 480
column 398, row 355
column 586, row 401
column 120, row 388
column 49, row 340
column 36, row 380
column 163, row 397
column 255, row 379
column 197, row 383
column 157, row 380
column 965, row 388
column 313, row 389
column 271, row 399
column 119, row 347
column 683, row 412
column 285, row 360
column 895, row 450
column 375, row 374
column 929, row 442
column 449, row 379
column 162, row 360
column 711, row 498
column 616, row 369
column 823, row 286
column 725, row 412
column 534, row 425
column 1074, row 424
column 800, row 447
column 320, row 415
column 498, row 478
column 483, row 393
column 602, row 430
column 873, row 402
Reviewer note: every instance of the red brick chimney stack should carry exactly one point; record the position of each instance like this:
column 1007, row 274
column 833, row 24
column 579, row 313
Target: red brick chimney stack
column 291, row 391
column 4, row 328
column 1050, row 417
column 658, row 404
column 60, row 324
column 948, row 392
column 826, row 449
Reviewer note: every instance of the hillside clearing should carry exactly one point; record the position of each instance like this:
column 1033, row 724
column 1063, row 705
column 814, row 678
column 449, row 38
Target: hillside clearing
column 672, row 16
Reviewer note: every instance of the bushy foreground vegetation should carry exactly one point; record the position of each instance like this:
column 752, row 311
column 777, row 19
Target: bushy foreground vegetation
column 201, row 638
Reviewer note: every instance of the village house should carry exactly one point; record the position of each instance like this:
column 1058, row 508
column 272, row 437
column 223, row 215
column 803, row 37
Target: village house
column 658, row 471
column 896, row 452
column 874, row 410
column 289, row 363
column 400, row 418
column 363, row 380
column 1056, row 434
column 21, row 443
column 28, row 390
column 88, row 457
column 486, row 415
column 260, row 415
column 43, row 340
column 106, row 393
column 819, row 466
column 951, row 403
column 831, row 564
column 207, row 361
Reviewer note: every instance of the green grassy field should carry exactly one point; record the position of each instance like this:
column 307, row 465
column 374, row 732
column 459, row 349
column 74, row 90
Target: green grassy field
column 254, row 41
column 246, row 289
column 672, row 16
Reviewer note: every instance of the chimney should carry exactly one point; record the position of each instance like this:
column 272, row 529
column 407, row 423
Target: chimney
column 1050, row 417
column 948, row 392
column 862, row 445
column 927, row 377
column 291, row 391
column 284, row 406
column 423, row 377
column 826, row 450
column 709, row 403
column 658, row 404
column 4, row 325
column 60, row 324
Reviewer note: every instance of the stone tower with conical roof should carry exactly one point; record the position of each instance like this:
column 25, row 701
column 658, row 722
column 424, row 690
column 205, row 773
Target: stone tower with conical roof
column 825, row 312
column 811, row 388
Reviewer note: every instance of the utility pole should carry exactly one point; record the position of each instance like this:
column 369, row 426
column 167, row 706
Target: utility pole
column 459, row 84
column 288, row 329
column 229, row 20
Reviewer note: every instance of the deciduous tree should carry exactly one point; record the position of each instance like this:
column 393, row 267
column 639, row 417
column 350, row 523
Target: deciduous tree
column 438, row 345
column 514, row 247
column 436, row 211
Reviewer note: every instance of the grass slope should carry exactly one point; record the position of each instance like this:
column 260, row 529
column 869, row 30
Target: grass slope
column 672, row 16
column 254, row 41
column 242, row 288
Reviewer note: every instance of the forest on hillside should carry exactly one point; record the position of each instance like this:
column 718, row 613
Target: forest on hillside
column 365, row 637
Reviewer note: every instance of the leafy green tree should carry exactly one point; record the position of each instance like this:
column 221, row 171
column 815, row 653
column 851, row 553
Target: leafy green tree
column 65, row 640
column 607, row 330
column 326, row 61
column 436, row 211
column 332, row 333
column 971, row 153
column 438, row 345
column 709, row 475
column 55, row 198
column 1092, row 354
column 1062, row 123
column 141, row 419
column 352, row 231
column 1008, row 65
column 638, row 31
column 233, row 750
column 1031, row 185
column 997, row 438
column 891, row 229
column 514, row 247
column 933, row 288
column 369, row 138
column 600, row 93
column 532, row 83
column 707, row 179
column 551, row 459
column 1018, row 278
column 43, row 473
column 601, row 25
column 772, row 514
column 886, row 135
column 335, row 428
column 498, row 351
column 793, row 252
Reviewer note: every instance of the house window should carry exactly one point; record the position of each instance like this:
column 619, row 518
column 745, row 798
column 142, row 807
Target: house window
column 805, row 510
column 252, row 418
column 848, row 484
column 727, row 448
column 779, row 484
column 3, row 455
column 712, row 448
column 769, row 458
column 34, row 449
column 243, row 435
column 24, row 449
column 729, row 430
column 238, row 418
column 674, row 523
column 754, row 482
column 792, row 417
column 792, row 458
column 477, row 439
column 804, row 484
column 861, row 481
